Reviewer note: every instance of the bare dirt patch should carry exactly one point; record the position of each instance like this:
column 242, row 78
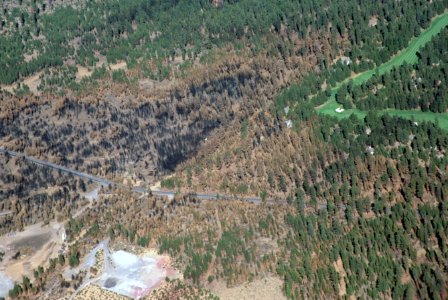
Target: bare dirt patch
column 32, row 82
column 405, row 278
column 118, row 65
column 373, row 21
column 26, row 250
column 266, row 246
column 339, row 267
column 30, row 57
column 35, row 242
column 82, row 72
column 261, row 289
column 95, row 292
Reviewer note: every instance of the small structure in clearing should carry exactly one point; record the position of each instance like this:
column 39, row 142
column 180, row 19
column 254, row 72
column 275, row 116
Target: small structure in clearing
column 288, row 123
column 346, row 60
column 339, row 109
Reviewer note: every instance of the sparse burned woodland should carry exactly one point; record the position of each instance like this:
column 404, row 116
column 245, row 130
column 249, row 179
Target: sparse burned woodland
column 106, row 135
column 32, row 194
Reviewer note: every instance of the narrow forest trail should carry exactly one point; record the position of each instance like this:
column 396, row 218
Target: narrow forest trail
column 408, row 55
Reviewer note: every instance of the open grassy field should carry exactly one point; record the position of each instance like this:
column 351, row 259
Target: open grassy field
column 408, row 55
column 416, row 115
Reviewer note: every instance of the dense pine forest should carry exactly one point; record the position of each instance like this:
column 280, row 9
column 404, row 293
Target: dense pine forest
column 34, row 40
column 297, row 104
column 422, row 86
column 371, row 201
column 380, row 233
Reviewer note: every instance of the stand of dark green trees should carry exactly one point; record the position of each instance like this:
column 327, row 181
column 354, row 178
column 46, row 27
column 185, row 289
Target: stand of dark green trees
column 422, row 86
column 36, row 39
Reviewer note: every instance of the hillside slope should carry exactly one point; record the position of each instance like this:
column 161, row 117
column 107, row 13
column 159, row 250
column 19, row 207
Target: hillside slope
column 221, row 96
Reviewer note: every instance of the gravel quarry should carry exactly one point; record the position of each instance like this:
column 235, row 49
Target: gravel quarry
column 126, row 273
column 131, row 275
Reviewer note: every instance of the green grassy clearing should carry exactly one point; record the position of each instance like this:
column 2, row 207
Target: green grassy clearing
column 408, row 55
column 416, row 115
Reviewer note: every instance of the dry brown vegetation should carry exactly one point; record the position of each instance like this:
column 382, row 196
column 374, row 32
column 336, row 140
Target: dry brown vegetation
column 126, row 219
column 247, row 162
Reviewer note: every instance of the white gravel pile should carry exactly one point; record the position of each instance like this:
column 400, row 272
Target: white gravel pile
column 6, row 284
column 131, row 275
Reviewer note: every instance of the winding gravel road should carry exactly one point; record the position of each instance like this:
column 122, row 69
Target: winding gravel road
column 105, row 182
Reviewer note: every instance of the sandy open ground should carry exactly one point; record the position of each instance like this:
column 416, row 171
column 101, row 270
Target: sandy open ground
column 82, row 72
column 118, row 65
column 32, row 82
column 33, row 247
column 267, row 288
column 94, row 292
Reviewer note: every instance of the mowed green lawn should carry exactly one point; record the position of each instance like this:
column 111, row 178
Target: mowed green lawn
column 418, row 116
column 408, row 55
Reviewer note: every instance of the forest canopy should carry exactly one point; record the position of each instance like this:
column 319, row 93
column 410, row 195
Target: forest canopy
column 128, row 30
